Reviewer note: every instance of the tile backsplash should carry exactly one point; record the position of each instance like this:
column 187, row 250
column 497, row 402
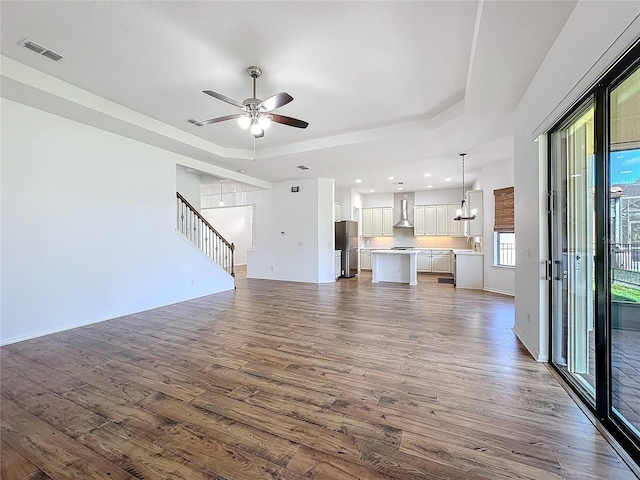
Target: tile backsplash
column 405, row 238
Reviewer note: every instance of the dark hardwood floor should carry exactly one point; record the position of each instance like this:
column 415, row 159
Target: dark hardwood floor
column 281, row 380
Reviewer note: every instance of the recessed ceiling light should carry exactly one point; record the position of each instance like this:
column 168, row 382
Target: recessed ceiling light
column 240, row 171
column 427, row 174
column 390, row 178
column 358, row 181
column 447, row 179
column 400, row 188
column 429, row 186
column 372, row 190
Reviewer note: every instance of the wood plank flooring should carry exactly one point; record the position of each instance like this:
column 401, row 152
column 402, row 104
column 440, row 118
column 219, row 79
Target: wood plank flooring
column 282, row 380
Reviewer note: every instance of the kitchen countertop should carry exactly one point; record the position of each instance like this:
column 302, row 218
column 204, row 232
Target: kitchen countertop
column 467, row 252
column 389, row 251
column 419, row 249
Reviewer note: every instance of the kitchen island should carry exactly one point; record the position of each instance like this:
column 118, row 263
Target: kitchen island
column 468, row 271
column 394, row 266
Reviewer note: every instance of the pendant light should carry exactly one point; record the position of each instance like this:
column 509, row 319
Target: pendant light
column 221, row 203
column 463, row 212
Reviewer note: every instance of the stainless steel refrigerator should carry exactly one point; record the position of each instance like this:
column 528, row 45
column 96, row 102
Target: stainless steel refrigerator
column 347, row 241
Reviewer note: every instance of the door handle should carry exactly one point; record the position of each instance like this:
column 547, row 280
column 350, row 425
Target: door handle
column 557, row 264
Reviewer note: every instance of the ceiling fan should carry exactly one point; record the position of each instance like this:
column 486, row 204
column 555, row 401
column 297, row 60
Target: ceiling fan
column 256, row 114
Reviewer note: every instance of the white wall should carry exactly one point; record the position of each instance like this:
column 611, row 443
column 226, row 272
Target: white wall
column 294, row 232
column 88, row 227
column 188, row 184
column 235, row 224
column 492, row 177
column 375, row 200
column 435, row 197
column 594, row 35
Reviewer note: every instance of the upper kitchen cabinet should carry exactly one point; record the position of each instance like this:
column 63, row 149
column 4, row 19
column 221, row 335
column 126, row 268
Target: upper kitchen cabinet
column 377, row 222
column 337, row 211
column 436, row 220
column 445, row 223
column 424, row 222
column 474, row 228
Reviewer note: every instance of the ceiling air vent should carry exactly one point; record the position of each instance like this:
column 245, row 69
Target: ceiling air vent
column 302, row 167
column 39, row 49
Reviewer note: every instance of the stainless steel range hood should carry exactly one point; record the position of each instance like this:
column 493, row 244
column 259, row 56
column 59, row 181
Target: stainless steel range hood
column 404, row 216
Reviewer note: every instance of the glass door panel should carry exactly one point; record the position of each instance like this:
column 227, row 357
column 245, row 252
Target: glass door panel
column 624, row 234
column 573, row 249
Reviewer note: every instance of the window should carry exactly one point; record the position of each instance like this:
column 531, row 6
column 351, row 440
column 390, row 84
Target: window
column 504, row 236
column 505, row 254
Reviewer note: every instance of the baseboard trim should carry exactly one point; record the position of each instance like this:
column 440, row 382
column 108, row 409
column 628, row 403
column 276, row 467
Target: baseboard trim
column 42, row 333
column 501, row 292
column 532, row 351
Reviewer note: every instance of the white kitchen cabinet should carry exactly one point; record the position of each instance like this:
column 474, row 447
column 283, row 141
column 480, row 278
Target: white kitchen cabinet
column 419, row 228
column 338, row 263
column 337, row 211
column 441, row 261
column 365, row 260
column 469, row 271
column 424, row 220
column 424, row 261
column 446, row 223
column 455, row 226
column 442, row 221
column 430, row 220
column 367, row 222
column 377, row 221
column 387, row 221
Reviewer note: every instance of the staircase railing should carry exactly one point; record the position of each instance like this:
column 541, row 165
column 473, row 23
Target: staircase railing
column 194, row 226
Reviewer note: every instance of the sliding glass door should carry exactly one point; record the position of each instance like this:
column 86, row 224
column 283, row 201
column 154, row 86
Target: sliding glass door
column 594, row 219
column 573, row 248
column 624, row 227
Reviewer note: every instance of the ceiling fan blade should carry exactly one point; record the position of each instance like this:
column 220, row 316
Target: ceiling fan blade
column 215, row 120
column 224, row 98
column 292, row 122
column 278, row 100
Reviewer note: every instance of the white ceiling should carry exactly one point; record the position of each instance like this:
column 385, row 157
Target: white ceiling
column 388, row 88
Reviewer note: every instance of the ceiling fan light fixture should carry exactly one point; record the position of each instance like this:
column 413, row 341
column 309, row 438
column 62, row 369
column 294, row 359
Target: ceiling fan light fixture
column 255, row 129
column 256, row 113
column 264, row 122
column 244, row 122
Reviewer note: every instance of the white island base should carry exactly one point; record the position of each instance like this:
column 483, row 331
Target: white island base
column 399, row 266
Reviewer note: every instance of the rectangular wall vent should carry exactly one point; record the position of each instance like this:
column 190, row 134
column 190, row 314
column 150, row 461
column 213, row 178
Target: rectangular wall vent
column 302, row 167
column 39, row 49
